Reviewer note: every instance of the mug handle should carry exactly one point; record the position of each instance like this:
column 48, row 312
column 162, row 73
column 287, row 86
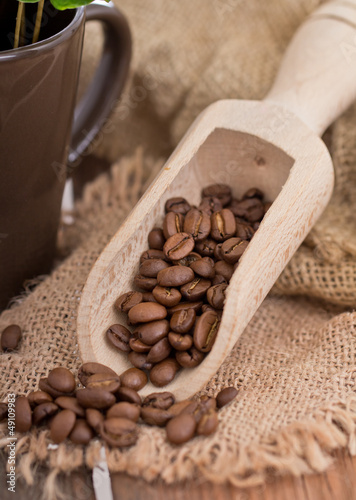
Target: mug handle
column 110, row 77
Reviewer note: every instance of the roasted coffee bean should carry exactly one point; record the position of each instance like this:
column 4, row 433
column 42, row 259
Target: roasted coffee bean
column 164, row 372
column 220, row 191
column 189, row 259
column 61, row 379
column 151, row 333
column 155, row 416
column 104, row 381
column 192, row 409
column 156, row 238
column 146, row 312
column 204, row 267
column 218, row 251
column 196, row 306
column 175, row 276
column 95, row 398
column 256, row 225
column 181, row 429
column 89, row 369
column 23, row 414
column 266, row 207
column 134, row 379
column 148, row 297
column 224, row 269
column 223, row 225
column 94, row 418
column 190, row 358
column 119, row 432
column 119, row 337
column 150, row 268
column 182, row 321
column 167, row 296
column 159, row 351
column 206, row 248
column 178, row 246
column 45, row 387
column 225, row 396
column 160, row 400
column 210, row 204
column 205, row 331
column 139, row 360
column 208, row 423
column 232, row 249
column 207, row 403
column 216, row 296
column 129, row 395
column 62, row 425
column 3, row 411
column 178, row 205
column 152, row 254
column 244, row 231
column 253, row 193
column 145, row 283
column 219, row 280
column 172, row 224
column 181, row 407
column 250, row 209
column 197, row 223
column 138, row 346
column 81, row 433
column 10, row 338
column 70, row 403
column 124, row 410
column 195, row 289
column 39, row 397
column 128, row 300
column 180, row 342
column 43, row 411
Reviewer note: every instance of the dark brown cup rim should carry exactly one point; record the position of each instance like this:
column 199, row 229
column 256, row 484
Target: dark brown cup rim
column 48, row 43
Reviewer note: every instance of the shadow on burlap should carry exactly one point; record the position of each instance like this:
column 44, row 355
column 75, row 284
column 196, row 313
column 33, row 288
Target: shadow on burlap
column 294, row 365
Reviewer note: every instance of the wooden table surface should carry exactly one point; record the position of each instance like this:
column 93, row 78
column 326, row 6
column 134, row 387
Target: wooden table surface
column 337, row 483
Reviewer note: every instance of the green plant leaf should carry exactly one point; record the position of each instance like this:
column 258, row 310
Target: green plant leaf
column 70, row 4
column 29, row 1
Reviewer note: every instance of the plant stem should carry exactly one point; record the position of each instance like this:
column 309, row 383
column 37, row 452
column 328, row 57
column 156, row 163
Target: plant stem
column 18, row 25
column 36, row 32
column 23, row 27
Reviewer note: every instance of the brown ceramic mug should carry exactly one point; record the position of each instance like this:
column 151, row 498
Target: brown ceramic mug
column 40, row 128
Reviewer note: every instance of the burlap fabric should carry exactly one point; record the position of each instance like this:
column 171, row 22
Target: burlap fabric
column 294, row 365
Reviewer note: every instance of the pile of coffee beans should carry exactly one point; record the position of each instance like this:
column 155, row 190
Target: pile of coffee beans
column 105, row 406
column 10, row 338
column 182, row 280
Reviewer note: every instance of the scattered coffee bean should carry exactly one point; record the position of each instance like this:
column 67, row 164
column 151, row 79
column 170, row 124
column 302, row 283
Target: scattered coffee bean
column 196, row 306
column 150, row 268
column 223, row 225
column 61, row 379
column 81, row 433
column 232, row 249
column 208, row 423
column 155, row 416
column 43, row 411
column 119, row 336
column 128, row 300
column 216, row 296
column 3, row 411
column 156, row 239
column 197, row 223
column 39, row 397
column 160, row 351
column 178, row 246
column 89, row 369
column 178, row 205
column 138, row 346
column 225, row 396
column 134, row 379
column 195, row 289
column 190, row 358
column 160, row 400
column 172, row 224
column 94, row 418
column 150, row 333
column 164, row 372
column 95, row 398
column 175, row 276
column 152, row 254
column 70, row 403
column 220, row 191
column 148, row 296
column 23, row 414
column 129, row 395
column 210, row 204
column 145, row 283
column 182, row 321
column 181, row 429
column 45, row 387
column 62, row 425
column 124, row 410
column 167, row 296
column 119, row 432
column 146, row 312
column 180, row 342
column 204, row 267
column 105, row 381
column 205, row 330
column 139, row 360
column 10, row 338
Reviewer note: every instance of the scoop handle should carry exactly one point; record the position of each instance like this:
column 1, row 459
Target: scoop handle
column 317, row 77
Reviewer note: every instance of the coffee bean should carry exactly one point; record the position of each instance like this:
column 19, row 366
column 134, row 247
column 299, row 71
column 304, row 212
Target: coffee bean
column 156, row 238
column 164, row 372
column 181, row 429
column 152, row 254
column 204, row 267
column 81, row 433
column 94, row 418
column 146, row 312
column 45, row 387
column 39, row 397
column 206, row 248
column 160, row 351
column 208, row 423
column 124, row 410
column 178, row 246
column 175, row 276
column 218, row 251
column 145, row 283
column 266, row 207
column 232, row 249
column 150, row 333
column 196, row 306
column 182, row 321
column 195, row 289
column 155, row 416
column 95, row 398
column 197, row 223
column 207, row 403
column 104, row 381
column 61, row 379
column 208, row 307
column 3, row 411
column 160, row 400
column 250, row 209
column 119, row 432
column 128, row 300
column 223, row 225
column 70, row 403
column 191, row 409
column 148, row 296
column 188, row 259
column 205, row 331
column 244, row 231
column 10, row 338
column 210, row 204
column 180, row 342
column 23, row 414
column 220, row 191
column 119, row 337
column 178, row 205
column 219, row 280
column 253, row 193
column 190, row 358
column 180, row 407
column 216, row 296
column 89, row 369
column 133, row 378
column 167, row 296
column 139, row 360
column 43, row 411
column 129, row 395
column 256, row 225
column 224, row 269
column 62, row 425
column 138, row 346
column 225, row 396
column 172, row 224
column 150, row 268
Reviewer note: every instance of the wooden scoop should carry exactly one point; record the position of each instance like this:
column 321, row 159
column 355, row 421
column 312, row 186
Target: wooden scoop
column 273, row 145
